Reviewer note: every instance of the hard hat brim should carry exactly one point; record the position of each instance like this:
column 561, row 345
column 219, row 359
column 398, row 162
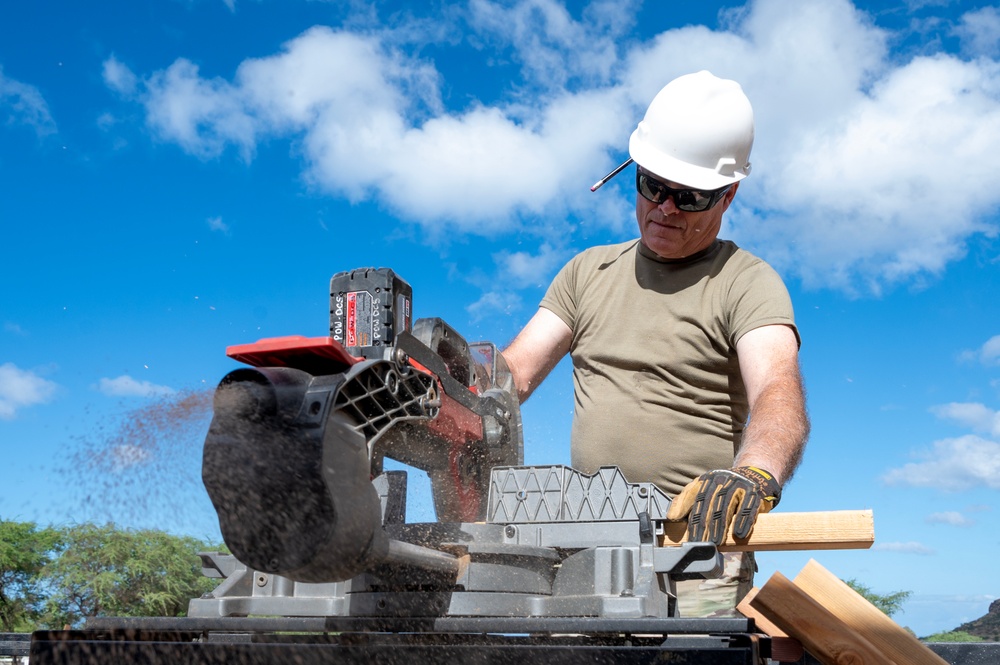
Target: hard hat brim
column 675, row 170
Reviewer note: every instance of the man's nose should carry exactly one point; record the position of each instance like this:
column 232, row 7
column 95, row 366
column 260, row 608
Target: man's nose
column 668, row 207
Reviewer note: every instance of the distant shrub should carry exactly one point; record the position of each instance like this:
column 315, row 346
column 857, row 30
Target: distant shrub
column 952, row 636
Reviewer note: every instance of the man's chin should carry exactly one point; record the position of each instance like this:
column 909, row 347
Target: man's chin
column 665, row 249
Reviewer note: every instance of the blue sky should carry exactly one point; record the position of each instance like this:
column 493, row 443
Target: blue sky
column 179, row 176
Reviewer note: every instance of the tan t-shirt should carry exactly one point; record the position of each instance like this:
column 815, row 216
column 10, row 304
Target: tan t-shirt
column 658, row 389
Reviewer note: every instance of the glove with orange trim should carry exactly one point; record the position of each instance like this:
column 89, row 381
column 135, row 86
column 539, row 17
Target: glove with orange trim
column 723, row 497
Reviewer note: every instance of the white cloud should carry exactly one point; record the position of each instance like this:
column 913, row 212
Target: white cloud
column 494, row 302
column 979, row 599
column 916, row 5
column 953, row 518
column 23, row 104
column 855, row 152
column 988, row 353
column 516, row 270
column 126, row 386
column 11, row 327
column 526, row 269
column 976, row 416
column 216, row 224
column 203, row 116
column 370, row 123
column 554, row 48
column 904, row 548
column 958, row 464
column 119, row 77
column 863, row 188
column 979, row 31
column 106, row 121
column 22, row 388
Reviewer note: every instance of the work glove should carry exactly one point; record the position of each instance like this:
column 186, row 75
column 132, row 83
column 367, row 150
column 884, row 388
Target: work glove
column 722, row 497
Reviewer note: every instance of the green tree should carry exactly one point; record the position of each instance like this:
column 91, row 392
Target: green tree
column 952, row 636
column 24, row 551
column 107, row 571
column 888, row 603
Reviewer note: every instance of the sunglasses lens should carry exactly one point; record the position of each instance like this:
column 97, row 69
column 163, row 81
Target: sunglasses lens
column 651, row 189
column 689, row 200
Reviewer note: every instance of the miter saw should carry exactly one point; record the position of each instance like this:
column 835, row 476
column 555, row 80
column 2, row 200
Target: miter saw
column 523, row 562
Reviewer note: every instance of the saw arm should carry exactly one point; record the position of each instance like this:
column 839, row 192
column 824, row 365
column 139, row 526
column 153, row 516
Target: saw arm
column 296, row 441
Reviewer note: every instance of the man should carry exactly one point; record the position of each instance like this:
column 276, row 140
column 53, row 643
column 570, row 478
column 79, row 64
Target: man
column 684, row 346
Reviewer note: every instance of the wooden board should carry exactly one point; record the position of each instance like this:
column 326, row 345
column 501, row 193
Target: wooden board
column 827, row 637
column 829, row 530
column 863, row 618
column 784, row 649
column 763, row 624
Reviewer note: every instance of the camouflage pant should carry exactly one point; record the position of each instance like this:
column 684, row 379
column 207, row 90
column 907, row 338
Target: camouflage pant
column 719, row 596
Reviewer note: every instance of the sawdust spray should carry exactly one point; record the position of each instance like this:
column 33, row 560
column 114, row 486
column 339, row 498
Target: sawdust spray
column 143, row 468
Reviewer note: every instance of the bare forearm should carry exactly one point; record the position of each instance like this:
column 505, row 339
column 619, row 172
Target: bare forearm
column 776, row 435
column 536, row 350
column 525, row 378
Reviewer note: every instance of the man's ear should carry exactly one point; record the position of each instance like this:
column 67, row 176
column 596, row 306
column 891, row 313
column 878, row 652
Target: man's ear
column 728, row 197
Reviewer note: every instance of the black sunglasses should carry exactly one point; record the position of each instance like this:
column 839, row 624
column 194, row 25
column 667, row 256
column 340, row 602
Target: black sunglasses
column 688, row 200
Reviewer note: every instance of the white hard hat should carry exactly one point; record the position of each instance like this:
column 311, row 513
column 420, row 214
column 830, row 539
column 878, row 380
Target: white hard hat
column 697, row 132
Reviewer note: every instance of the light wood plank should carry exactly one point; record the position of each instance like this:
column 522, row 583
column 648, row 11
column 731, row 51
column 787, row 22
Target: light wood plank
column 763, row 624
column 824, row 635
column 864, row 618
column 824, row 530
column 783, row 648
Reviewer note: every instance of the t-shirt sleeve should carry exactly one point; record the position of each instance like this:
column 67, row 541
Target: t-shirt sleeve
column 759, row 298
column 561, row 297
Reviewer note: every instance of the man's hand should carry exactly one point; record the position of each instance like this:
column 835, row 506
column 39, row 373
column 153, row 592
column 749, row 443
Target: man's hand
column 722, row 497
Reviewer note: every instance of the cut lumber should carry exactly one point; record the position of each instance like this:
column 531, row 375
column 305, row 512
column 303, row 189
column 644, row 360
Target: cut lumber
column 826, row 530
column 863, row 618
column 784, row 649
column 763, row 624
column 827, row 637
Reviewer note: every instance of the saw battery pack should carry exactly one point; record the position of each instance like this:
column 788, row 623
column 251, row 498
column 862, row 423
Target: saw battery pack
column 368, row 308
